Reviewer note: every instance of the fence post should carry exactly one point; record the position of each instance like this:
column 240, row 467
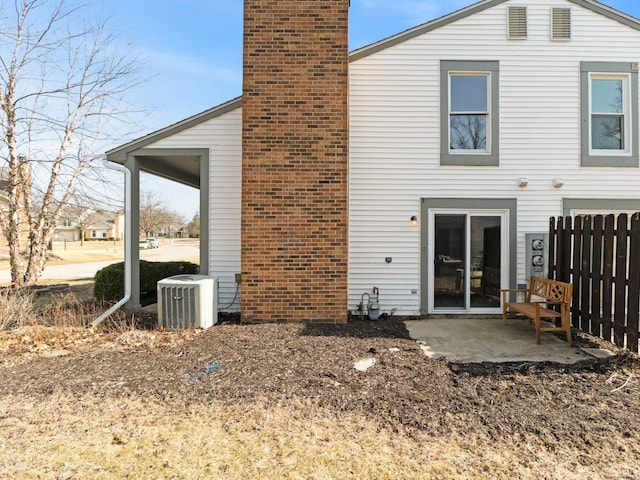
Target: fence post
column 553, row 239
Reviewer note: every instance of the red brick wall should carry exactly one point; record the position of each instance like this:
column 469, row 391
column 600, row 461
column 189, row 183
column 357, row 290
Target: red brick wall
column 295, row 160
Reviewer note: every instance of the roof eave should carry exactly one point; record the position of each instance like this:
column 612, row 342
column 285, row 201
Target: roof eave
column 119, row 154
column 424, row 28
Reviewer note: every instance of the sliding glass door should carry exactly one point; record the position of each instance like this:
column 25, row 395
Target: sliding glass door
column 468, row 256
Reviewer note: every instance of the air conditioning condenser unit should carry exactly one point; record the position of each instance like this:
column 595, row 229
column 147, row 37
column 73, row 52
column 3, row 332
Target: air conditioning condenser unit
column 187, row 301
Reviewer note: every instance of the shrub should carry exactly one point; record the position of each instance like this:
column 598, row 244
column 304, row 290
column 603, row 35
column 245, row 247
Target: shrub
column 16, row 307
column 109, row 282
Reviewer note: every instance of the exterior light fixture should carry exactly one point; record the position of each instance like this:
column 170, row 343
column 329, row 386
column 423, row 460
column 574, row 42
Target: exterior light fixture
column 557, row 182
column 414, row 221
column 523, row 182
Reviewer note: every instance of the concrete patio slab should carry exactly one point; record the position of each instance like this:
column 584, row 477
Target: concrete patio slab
column 477, row 340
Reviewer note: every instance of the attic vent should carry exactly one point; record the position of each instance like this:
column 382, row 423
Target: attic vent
column 517, row 22
column 560, row 23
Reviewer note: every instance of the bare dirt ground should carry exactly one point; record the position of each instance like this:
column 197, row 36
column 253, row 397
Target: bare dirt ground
column 285, row 401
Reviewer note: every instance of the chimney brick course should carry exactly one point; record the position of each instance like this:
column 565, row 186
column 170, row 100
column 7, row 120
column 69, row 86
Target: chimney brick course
column 295, row 161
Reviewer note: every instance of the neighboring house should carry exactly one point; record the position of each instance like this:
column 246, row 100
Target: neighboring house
column 67, row 230
column 179, row 231
column 100, row 228
column 96, row 225
column 465, row 134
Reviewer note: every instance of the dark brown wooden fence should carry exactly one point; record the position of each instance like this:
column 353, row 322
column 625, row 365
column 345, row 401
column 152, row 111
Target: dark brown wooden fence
column 601, row 257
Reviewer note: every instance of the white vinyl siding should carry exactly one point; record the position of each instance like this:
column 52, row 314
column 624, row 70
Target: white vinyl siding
column 222, row 136
column 395, row 137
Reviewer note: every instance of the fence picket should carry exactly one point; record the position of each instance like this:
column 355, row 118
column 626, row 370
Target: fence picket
column 620, row 281
column 633, row 309
column 585, row 275
column 607, row 277
column 596, row 276
column 576, row 248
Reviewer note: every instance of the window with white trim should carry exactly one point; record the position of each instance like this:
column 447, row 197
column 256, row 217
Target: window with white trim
column 609, row 113
column 469, row 113
column 609, row 105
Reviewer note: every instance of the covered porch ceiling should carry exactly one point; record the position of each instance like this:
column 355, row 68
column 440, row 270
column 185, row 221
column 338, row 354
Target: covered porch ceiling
column 184, row 169
column 182, row 165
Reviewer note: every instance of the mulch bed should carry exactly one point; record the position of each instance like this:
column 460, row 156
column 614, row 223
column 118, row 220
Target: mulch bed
column 594, row 405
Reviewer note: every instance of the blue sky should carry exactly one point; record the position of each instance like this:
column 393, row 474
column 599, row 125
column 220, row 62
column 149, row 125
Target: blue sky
column 191, row 51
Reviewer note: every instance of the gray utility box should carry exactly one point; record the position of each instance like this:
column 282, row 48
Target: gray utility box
column 537, row 255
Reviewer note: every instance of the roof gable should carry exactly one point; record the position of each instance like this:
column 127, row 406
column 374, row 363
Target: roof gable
column 119, row 154
column 592, row 5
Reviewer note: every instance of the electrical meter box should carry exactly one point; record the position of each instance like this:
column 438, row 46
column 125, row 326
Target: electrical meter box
column 537, row 254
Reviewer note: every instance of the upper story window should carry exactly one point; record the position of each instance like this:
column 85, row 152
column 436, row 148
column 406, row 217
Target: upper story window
column 609, row 92
column 469, row 113
column 66, row 223
column 609, row 96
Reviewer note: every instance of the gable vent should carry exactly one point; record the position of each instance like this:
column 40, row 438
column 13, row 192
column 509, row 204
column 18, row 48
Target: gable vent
column 560, row 23
column 517, row 22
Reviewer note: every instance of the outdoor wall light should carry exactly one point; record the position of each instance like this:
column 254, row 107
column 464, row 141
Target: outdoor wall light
column 414, row 221
column 523, row 181
column 557, row 182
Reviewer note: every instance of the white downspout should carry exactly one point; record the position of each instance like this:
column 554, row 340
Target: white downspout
column 127, row 244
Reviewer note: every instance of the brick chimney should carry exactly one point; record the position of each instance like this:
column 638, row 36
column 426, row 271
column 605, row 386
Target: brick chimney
column 295, row 161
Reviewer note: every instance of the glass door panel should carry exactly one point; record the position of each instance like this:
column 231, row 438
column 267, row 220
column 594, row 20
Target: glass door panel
column 486, row 257
column 449, row 261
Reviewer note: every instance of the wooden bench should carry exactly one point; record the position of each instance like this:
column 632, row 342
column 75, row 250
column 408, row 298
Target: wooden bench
column 551, row 292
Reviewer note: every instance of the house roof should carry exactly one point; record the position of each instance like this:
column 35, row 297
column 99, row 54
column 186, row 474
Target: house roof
column 119, row 154
column 593, row 5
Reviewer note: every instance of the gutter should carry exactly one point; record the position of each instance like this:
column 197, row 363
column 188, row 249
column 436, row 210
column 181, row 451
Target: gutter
column 127, row 244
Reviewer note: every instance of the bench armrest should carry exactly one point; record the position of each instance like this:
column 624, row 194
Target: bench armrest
column 514, row 289
column 524, row 291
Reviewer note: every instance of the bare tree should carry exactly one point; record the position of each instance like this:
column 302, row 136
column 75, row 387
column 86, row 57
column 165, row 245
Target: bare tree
column 194, row 226
column 154, row 214
column 61, row 85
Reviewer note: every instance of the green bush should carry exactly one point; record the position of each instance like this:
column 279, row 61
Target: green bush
column 109, row 282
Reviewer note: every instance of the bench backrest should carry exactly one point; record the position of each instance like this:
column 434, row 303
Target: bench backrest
column 552, row 290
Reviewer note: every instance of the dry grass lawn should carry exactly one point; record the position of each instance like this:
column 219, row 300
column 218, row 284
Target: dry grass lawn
column 107, row 438
column 73, row 252
column 286, row 403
